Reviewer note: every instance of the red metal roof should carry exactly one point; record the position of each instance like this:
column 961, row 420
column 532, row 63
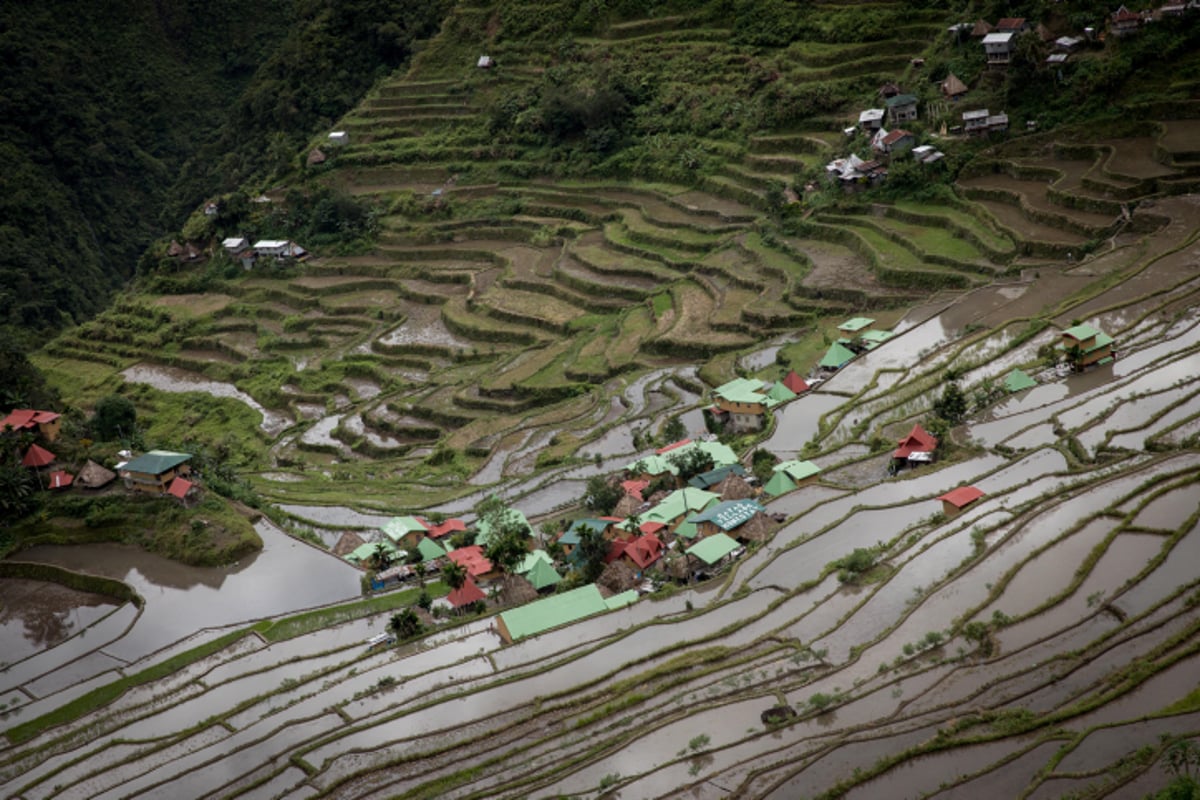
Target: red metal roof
column 19, row 419
column 895, row 136
column 651, row 526
column 917, row 441
column 644, row 550
column 673, row 446
column 37, row 456
column 449, row 526
column 616, row 549
column 962, row 496
column 634, row 488
column 466, row 594
column 60, row 480
column 795, row 383
column 179, row 488
column 473, row 559
column 1010, row 24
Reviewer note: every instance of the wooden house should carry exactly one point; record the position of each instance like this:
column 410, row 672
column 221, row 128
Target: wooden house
column 1124, row 22
column 999, row 48
column 953, row 87
column 954, row 501
column 1085, row 346
column 46, row 424
column 901, row 108
column 154, row 471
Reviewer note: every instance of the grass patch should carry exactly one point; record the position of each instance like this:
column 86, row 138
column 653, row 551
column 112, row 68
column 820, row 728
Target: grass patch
column 310, row 621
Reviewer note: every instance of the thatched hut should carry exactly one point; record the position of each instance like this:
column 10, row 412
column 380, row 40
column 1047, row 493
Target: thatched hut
column 515, row 590
column 618, row 577
column 94, row 476
column 734, row 487
column 347, row 544
column 758, row 528
column 678, row 567
column 627, row 506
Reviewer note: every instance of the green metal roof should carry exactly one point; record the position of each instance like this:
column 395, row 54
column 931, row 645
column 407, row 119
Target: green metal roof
column 571, row 535
column 873, row 339
column 364, row 551
column 780, row 393
column 855, row 325
column 741, row 390
column 430, row 549
column 531, row 559
column 837, row 356
column 560, row 609
column 712, row 549
column 728, row 514
column 797, row 470
column 1018, row 380
column 542, row 575
column 397, row 528
column 1081, row 332
column 779, row 484
column 687, row 530
column 1102, row 340
column 156, row 462
column 900, row 100
column 679, row 503
column 656, row 464
column 621, row 600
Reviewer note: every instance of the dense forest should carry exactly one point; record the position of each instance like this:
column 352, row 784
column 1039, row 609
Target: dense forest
column 118, row 118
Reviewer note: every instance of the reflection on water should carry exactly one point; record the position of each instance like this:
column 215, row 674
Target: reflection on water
column 35, row 615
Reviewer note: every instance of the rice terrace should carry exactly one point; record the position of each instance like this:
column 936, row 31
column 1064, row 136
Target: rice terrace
column 610, row 405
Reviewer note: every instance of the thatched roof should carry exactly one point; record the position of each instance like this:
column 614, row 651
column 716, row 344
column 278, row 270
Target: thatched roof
column 953, row 86
column 348, row 543
column 315, row 156
column 516, row 591
column 734, row 487
column 656, row 498
column 982, row 28
column 677, row 567
column 627, row 506
column 758, row 528
column 93, row 476
column 618, row 577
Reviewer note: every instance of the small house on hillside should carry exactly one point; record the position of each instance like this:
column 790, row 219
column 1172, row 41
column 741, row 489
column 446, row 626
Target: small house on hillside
column 59, row 479
column 679, row 504
column 279, row 249
column 485, row 62
column 476, row 563
column 450, row 526
column 1124, row 22
column 927, row 154
column 975, row 122
column 871, row 119
column 466, row 595
column 45, row 424
column 918, row 447
column 1086, row 346
column 742, row 404
column 713, row 550
column 552, row 612
column 1018, row 381
column 896, row 142
column 954, row 501
column 94, row 476
column 953, row 87
column 643, row 552
column 999, row 48
column 37, row 457
column 836, row 357
column 981, row 29
column 795, row 383
column 901, row 108
column 339, row 138
column 1012, row 25
column 154, row 471
column 405, row 531
column 801, row 473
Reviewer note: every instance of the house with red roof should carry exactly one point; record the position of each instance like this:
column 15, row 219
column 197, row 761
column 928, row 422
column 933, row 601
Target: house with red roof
column 643, row 551
column 476, row 563
column 795, row 383
column 1124, row 22
column 465, row 595
column 46, row 424
column 445, row 528
column 916, row 448
column 955, row 500
column 181, row 489
column 662, row 451
column 60, row 479
column 634, row 488
column 1012, row 25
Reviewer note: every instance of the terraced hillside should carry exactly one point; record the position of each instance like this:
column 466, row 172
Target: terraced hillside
column 1040, row 643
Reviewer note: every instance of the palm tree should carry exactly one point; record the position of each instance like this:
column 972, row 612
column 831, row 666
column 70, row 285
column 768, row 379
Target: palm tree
column 405, row 624
column 454, row 574
column 381, row 557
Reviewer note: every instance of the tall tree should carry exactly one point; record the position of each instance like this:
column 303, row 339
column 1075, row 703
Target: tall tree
column 592, row 550
column 454, row 574
column 405, row 624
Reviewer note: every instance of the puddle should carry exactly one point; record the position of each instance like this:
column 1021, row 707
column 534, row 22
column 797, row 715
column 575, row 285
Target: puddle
column 172, row 379
column 798, row 422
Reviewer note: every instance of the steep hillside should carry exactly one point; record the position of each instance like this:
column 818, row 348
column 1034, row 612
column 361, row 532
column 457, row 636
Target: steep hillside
column 117, row 118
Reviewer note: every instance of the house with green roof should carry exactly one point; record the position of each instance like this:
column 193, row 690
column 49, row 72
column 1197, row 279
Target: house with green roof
column 570, row 537
column 661, row 463
column 707, row 480
column 779, row 484
column 531, row 560
column 154, row 471
column 405, row 531
column 1085, row 346
column 1018, row 381
column 543, row 575
column 801, row 473
column 552, row 612
column 713, row 549
column 366, row 551
column 872, row 339
column 430, row 550
column 742, row 404
column 836, row 357
column 679, row 504
column 853, row 326
column 780, row 393
column 725, row 517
